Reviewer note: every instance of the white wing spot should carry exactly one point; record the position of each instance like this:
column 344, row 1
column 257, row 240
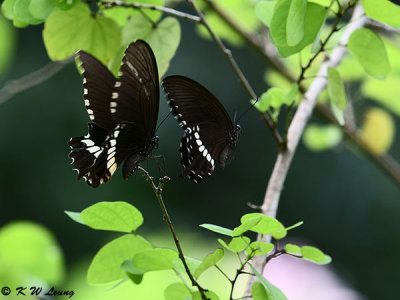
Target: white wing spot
column 115, row 95
column 113, row 110
column 205, row 152
column 208, row 157
column 196, row 135
column 87, row 102
column 88, row 143
column 117, row 84
column 93, row 149
column 199, row 142
column 201, row 149
column 113, row 104
column 112, row 149
column 113, row 142
column 110, row 162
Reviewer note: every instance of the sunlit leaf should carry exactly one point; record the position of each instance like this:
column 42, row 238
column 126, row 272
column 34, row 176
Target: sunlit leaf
column 239, row 244
column 315, row 16
column 266, row 225
column 298, row 224
column 315, row 255
column 41, row 9
column 247, row 225
column 218, row 229
column 75, row 216
column 122, row 14
column 209, row 261
column 30, row 250
column 106, row 265
column 384, row 11
column 209, row 294
column 193, row 264
column 368, row 48
column 114, row 216
column 7, row 44
column 164, row 39
column 259, row 248
column 378, row 130
column 67, row 31
column 21, row 11
column 295, row 24
column 293, row 249
column 258, row 291
column 264, row 11
column 135, row 274
column 154, row 259
column 321, row 138
column 272, row 291
column 177, row 291
column 336, row 88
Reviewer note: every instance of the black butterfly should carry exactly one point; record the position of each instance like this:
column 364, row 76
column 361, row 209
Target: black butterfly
column 123, row 112
column 209, row 135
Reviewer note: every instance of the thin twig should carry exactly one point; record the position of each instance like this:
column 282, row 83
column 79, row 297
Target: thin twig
column 167, row 10
column 158, row 192
column 238, row 71
column 14, row 87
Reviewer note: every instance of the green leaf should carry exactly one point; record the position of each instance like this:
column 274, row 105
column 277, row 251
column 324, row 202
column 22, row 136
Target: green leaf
column 383, row 11
column 338, row 113
column 122, row 14
column 258, row 291
column 314, row 19
column 336, row 88
column 41, row 9
column 320, row 138
column 246, row 225
column 114, row 216
column 218, row 229
column 7, row 44
column 135, row 274
column 7, row 8
column 106, row 265
column 266, row 225
column 272, row 291
column 66, row 4
column 67, row 31
column 75, row 216
column 154, row 259
column 369, row 50
column 293, row 249
column 164, row 39
column 317, row 42
column 242, row 12
column 177, row 291
column 295, row 22
column 225, row 245
column 239, row 244
column 209, row 294
column 209, row 261
column 193, row 264
column 315, row 255
column 31, row 251
column 259, row 248
column 264, row 11
column 21, row 11
column 294, row 225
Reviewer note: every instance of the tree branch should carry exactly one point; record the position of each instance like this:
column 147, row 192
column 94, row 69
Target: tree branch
column 158, row 192
column 300, row 119
column 14, row 87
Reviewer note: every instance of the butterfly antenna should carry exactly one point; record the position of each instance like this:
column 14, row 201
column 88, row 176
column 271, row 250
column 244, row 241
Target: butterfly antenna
column 163, row 121
column 246, row 111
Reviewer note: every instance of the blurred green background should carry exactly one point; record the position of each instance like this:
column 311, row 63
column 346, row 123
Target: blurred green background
column 350, row 209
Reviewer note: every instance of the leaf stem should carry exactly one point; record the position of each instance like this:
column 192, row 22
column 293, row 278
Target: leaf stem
column 158, row 189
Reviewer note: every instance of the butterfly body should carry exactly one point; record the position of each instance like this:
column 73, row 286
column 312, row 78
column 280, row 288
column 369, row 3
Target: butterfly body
column 209, row 137
column 123, row 112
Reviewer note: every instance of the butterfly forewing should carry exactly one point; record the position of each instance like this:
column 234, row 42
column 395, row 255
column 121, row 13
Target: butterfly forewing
column 209, row 136
column 136, row 96
column 98, row 85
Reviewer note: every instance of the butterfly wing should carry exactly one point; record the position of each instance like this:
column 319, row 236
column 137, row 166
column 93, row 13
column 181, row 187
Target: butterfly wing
column 209, row 136
column 98, row 84
column 128, row 114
